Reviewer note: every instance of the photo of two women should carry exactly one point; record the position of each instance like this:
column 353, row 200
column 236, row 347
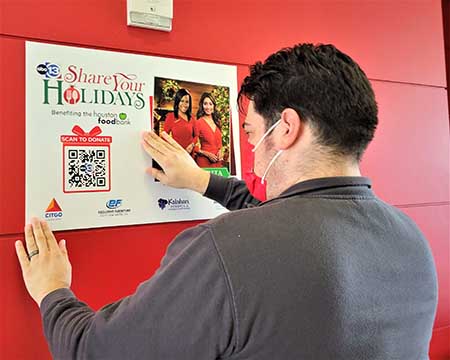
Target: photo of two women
column 197, row 116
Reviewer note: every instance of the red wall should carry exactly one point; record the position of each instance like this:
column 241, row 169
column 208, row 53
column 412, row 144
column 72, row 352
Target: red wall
column 446, row 18
column 399, row 44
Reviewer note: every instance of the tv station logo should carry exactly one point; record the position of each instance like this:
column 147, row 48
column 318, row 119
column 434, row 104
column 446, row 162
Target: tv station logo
column 49, row 70
column 54, row 211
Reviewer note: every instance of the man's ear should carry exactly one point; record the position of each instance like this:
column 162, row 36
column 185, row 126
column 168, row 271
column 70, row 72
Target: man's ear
column 290, row 129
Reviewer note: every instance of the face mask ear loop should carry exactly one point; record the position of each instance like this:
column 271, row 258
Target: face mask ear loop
column 265, row 135
column 270, row 164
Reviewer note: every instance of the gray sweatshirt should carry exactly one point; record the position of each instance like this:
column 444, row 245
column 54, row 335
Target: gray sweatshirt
column 324, row 271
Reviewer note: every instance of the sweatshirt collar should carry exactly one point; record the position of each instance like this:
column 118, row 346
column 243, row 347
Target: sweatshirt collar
column 359, row 184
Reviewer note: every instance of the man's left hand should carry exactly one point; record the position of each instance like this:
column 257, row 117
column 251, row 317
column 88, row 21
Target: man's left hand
column 45, row 263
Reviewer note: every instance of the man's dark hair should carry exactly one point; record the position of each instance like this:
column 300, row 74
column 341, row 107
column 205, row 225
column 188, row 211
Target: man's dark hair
column 326, row 88
column 176, row 104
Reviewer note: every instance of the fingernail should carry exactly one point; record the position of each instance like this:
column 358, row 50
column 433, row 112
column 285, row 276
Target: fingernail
column 63, row 242
column 18, row 242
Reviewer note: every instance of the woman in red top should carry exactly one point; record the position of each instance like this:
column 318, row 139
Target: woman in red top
column 180, row 123
column 207, row 128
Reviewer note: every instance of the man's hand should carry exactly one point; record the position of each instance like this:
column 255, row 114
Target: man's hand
column 179, row 169
column 45, row 264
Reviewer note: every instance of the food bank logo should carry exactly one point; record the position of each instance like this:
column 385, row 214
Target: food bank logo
column 76, row 85
column 112, row 119
column 53, row 211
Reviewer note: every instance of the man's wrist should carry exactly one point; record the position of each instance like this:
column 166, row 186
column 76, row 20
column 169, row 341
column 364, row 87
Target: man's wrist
column 38, row 299
column 201, row 181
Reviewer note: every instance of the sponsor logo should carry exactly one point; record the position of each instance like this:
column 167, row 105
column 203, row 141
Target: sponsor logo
column 114, row 203
column 174, row 204
column 112, row 118
column 54, row 211
column 162, row 203
column 113, row 206
column 74, row 85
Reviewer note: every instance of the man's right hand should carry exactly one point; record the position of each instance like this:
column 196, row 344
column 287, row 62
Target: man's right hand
column 179, row 169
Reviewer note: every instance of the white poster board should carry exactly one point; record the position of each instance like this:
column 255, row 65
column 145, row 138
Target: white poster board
column 85, row 111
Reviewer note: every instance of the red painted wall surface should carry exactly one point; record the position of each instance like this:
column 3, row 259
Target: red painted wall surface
column 399, row 44
column 446, row 18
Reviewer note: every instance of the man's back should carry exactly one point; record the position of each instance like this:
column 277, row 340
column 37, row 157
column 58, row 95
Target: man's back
column 327, row 271
column 323, row 271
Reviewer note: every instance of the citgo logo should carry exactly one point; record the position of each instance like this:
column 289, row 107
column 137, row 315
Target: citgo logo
column 53, row 210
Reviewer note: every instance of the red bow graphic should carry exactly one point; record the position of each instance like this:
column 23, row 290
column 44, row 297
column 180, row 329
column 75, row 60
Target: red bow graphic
column 80, row 132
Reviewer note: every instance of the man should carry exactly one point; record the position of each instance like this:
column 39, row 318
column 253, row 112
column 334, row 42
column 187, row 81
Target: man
column 321, row 270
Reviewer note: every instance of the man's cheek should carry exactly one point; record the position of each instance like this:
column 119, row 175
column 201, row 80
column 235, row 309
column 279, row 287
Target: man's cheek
column 258, row 164
column 251, row 139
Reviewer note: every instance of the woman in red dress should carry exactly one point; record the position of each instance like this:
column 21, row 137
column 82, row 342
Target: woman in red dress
column 180, row 123
column 207, row 128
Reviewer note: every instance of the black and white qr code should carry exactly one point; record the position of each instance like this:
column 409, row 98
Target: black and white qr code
column 86, row 168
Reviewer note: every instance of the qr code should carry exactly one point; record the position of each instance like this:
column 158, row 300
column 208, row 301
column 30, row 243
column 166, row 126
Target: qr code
column 86, row 169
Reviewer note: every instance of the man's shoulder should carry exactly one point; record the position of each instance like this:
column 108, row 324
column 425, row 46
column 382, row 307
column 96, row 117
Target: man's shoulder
column 236, row 218
column 252, row 226
column 303, row 215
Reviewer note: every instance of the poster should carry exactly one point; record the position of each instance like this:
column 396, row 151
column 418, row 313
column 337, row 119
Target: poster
column 205, row 133
column 85, row 111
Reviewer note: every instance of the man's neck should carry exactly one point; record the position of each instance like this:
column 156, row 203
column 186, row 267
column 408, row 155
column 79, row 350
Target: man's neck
column 278, row 183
